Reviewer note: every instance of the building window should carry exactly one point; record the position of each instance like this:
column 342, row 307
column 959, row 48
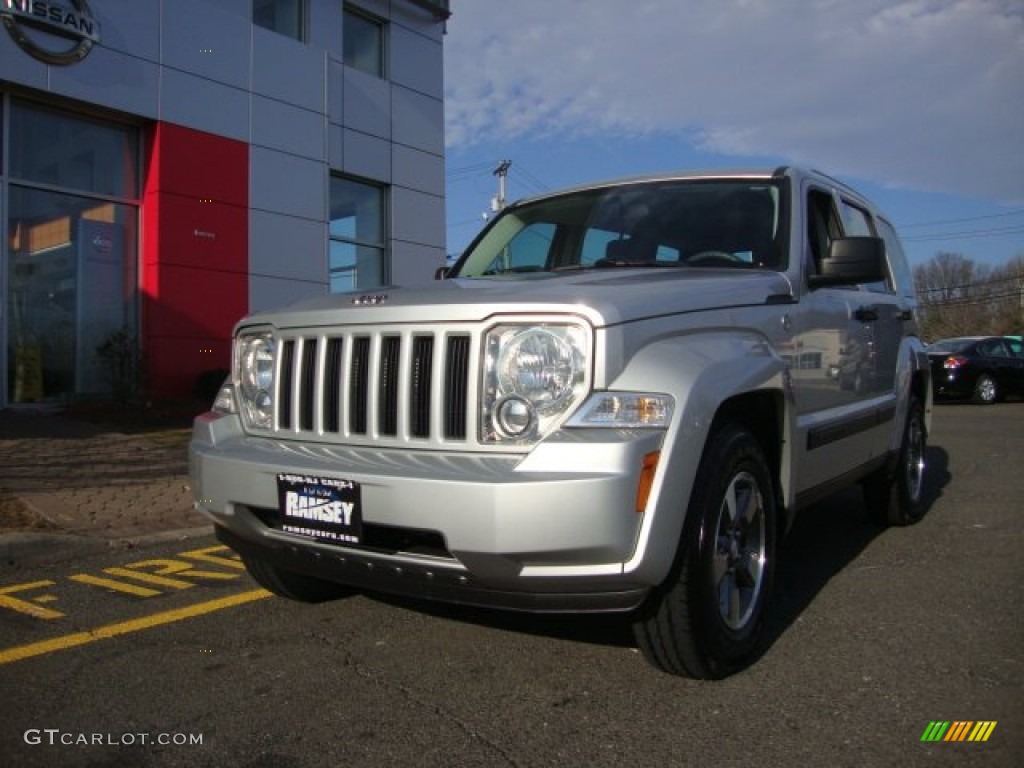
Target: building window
column 70, row 256
column 281, row 16
column 363, row 42
column 358, row 236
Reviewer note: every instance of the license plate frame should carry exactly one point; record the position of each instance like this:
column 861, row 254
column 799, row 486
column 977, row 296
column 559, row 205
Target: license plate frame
column 321, row 508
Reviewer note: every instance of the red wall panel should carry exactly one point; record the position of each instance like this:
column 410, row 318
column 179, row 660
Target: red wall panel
column 195, row 264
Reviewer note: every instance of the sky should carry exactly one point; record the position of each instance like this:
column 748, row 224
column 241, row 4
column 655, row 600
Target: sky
column 918, row 104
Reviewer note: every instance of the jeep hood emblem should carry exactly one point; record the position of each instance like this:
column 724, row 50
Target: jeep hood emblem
column 370, row 299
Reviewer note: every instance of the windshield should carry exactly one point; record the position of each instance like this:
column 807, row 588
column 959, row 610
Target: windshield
column 732, row 223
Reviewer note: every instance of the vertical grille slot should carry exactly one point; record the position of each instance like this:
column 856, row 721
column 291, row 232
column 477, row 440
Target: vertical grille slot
column 359, row 385
column 456, row 381
column 387, row 398
column 332, row 386
column 307, row 384
column 419, row 385
column 284, row 400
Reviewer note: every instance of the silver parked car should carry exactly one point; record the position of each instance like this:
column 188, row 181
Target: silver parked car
column 615, row 400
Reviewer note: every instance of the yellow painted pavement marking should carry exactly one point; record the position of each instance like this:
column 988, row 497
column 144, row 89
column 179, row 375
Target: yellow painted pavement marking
column 126, row 627
column 23, row 606
column 117, row 586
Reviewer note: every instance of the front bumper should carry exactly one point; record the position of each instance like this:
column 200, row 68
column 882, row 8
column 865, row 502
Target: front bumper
column 547, row 530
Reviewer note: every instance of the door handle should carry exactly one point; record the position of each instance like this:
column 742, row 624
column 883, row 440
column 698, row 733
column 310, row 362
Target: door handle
column 865, row 314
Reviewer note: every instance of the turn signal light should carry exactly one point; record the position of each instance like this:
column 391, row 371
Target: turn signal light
column 643, row 489
column 953, row 362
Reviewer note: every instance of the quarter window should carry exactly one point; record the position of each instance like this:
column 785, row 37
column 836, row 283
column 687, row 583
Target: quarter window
column 363, row 42
column 358, row 235
column 281, row 16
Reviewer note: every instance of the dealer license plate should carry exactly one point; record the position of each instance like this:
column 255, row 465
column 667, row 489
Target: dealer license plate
column 320, row 507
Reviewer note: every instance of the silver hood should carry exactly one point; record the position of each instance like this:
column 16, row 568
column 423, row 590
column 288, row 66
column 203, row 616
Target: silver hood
column 604, row 297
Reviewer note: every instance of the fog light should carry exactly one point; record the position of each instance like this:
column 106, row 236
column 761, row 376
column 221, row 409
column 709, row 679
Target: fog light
column 514, row 417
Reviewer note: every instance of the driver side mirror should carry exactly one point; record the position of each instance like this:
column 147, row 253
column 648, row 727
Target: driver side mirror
column 851, row 261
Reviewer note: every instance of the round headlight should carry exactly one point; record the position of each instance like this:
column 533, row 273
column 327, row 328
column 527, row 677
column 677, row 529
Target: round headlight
column 257, row 368
column 539, row 367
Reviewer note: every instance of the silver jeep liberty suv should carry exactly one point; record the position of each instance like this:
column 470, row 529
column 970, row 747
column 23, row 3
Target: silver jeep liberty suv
column 615, row 400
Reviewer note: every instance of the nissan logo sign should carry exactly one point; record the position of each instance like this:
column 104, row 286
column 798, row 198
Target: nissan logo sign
column 71, row 21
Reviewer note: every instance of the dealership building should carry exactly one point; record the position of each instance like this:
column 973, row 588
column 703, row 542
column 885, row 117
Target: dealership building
column 167, row 167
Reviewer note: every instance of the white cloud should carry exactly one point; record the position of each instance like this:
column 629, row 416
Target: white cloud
column 927, row 94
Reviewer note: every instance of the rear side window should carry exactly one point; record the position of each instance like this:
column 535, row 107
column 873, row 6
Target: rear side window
column 899, row 269
column 856, row 222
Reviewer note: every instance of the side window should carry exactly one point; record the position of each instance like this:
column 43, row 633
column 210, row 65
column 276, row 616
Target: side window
column 998, row 349
column 856, row 221
column 822, row 225
column 1016, row 347
column 899, row 268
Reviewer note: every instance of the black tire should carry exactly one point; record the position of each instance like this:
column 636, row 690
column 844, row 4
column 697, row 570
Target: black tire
column 294, row 586
column 895, row 495
column 708, row 619
column 985, row 390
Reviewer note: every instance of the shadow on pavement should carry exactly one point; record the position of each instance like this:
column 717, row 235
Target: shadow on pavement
column 825, row 539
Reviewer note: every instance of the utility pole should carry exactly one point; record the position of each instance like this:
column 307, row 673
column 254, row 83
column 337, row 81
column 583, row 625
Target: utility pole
column 502, row 173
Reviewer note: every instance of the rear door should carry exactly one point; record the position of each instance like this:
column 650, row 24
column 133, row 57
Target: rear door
column 843, row 363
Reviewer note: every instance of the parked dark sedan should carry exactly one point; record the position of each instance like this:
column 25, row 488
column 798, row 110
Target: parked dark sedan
column 982, row 368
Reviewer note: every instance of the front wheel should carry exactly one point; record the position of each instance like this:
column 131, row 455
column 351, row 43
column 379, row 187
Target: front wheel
column 707, row 619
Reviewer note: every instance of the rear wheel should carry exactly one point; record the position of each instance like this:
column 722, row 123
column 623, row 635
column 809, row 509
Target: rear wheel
column 707, row 619
column 985, row 390
column 294, row 586
column 895, row 496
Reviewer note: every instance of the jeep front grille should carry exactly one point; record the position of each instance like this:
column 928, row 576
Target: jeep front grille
column 402, row 384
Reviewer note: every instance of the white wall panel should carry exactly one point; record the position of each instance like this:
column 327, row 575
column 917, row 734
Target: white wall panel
column 367, row 103
column 418, row 120
column 417, row 217
column 417, row 170
column 287, row 70
column 367, row 156
column 110, row 79
column 416, row 62
column 204, row 104
column 277, row 292
column 286, row 246
column 284, row 127
column 209, row 39
column 129, row 26
column 287, row 184
column 415, row 264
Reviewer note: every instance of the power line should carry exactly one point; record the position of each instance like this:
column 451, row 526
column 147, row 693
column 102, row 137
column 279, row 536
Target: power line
column 944, row 222
column 974, row 233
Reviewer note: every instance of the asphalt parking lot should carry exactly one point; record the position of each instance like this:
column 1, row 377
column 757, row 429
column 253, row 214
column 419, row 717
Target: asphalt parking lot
column 168, row 654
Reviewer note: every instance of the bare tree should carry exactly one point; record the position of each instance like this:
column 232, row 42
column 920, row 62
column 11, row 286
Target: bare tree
column 959, row 297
